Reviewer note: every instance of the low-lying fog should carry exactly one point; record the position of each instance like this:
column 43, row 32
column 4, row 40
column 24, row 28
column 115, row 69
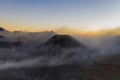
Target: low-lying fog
column 39, row 50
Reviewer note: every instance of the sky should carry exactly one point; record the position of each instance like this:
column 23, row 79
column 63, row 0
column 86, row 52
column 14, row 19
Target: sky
column 55, row 14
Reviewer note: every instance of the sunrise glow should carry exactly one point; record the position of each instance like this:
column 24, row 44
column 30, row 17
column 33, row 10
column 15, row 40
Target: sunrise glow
column 86, row 17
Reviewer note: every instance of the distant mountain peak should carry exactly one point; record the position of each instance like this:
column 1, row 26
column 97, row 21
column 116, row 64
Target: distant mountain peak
column 2, row 29
column 58, row 43
column 65, row 41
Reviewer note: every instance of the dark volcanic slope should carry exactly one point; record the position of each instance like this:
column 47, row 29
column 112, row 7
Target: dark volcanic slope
column 58, row 44
column 2, row 29
column 64, row 41
column 4, row 44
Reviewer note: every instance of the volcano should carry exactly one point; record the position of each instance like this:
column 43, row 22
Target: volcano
column 63, row 41
column 2, row 29
column 58, row 44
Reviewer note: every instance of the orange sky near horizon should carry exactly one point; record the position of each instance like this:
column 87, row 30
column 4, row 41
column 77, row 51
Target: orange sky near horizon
column 65, row 30
column 80, row 16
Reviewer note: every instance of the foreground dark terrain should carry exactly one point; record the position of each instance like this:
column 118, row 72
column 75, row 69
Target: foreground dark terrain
column 50, row 56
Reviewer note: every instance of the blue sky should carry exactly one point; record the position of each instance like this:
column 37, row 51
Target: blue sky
column 80, row 14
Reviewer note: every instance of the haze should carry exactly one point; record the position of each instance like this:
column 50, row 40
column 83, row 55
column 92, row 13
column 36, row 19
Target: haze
column 39, row 15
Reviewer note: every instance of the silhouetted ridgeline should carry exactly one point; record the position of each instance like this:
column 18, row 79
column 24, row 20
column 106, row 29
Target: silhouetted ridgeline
column 3, row 30
column 57, row 44
column 64, row 41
